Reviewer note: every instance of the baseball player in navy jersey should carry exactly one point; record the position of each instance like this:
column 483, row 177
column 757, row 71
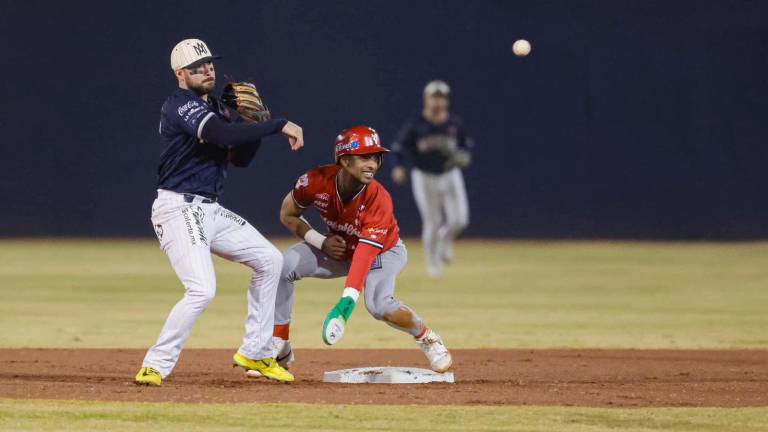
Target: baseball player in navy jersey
column 437, row 147
column 200, row 138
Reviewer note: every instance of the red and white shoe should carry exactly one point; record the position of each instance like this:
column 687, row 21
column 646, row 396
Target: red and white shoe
column 432, row 346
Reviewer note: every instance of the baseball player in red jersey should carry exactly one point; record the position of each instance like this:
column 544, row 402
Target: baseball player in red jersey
column 363, row 243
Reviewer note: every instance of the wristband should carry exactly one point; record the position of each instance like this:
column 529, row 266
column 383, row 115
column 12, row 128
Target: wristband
column 314, row 238
column 352, row 293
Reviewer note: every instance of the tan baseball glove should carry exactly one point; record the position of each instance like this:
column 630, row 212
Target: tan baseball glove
column 245, row 99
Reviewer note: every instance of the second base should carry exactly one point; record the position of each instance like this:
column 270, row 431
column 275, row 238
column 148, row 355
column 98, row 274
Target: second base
column 387, row 375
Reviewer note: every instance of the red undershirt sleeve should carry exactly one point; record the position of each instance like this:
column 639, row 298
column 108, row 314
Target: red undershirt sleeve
column 361, row 264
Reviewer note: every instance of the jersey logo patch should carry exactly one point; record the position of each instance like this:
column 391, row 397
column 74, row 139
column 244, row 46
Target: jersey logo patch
column 186, row 107
column 303, row 181
column 347, row 228
column 441, row 143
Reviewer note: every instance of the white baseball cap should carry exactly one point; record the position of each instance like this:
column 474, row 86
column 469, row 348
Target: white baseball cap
column 437, row 87
column 190, row 53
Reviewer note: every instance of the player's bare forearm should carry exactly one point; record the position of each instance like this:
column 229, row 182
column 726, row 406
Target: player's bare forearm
column 290, row 217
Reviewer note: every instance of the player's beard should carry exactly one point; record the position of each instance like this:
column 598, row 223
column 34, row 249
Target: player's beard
column 204, row 87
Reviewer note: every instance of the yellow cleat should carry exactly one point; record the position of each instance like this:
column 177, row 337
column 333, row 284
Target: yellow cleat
column 267, row 367
column 148, row 376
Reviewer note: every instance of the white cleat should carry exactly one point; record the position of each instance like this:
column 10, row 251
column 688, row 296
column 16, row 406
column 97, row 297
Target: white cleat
column 433, row 347
column 446, row 256
column 282, row 352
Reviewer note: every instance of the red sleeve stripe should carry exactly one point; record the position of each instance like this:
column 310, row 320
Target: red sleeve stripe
column 297, row 202
column 372, row 243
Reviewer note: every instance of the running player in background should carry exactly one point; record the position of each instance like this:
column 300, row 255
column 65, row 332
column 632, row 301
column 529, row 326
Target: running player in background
column 363, row 243
column 437, row 147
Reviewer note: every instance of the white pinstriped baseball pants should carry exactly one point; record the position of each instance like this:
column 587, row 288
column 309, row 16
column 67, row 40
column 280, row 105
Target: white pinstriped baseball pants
column 444, row 209
column 189, row 233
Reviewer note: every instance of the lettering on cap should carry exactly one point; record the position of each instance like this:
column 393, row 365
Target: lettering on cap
column 200, row 48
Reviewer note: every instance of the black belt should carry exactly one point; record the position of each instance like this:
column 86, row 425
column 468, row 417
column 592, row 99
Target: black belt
column 190, row 198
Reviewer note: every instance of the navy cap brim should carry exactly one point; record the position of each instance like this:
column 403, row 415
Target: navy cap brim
column 201, row 61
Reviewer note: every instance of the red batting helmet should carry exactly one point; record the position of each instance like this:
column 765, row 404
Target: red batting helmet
column 358, row 140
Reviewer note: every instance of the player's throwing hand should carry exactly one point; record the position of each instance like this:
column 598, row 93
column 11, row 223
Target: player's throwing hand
column 295, row 135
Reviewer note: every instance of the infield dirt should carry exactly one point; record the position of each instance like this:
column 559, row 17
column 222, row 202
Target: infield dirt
column 620, row 378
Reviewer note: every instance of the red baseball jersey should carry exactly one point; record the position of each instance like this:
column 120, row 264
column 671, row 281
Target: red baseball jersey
column 368, row 217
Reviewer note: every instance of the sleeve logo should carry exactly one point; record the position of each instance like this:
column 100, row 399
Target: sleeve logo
column 303, row 181
column 374, row 233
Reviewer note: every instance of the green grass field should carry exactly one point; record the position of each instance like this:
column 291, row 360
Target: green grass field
column 112, row 416
column 116, row 294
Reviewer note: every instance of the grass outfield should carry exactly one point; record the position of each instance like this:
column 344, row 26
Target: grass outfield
column 81, row 416
column 117, row 294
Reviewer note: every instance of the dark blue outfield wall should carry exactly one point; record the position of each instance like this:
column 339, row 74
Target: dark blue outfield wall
column 631, row 119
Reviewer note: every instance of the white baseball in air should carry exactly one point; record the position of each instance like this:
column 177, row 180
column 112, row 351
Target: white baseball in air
column 521, row 48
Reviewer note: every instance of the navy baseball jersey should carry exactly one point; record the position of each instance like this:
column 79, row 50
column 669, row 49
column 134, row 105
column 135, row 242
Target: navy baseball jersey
column 187, row 165
column 429, row 147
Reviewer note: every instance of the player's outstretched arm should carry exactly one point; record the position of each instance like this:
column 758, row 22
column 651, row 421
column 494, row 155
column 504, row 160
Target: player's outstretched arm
column 229, row 135
column 290, row 216
column 242, row 156
column 336, row 320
